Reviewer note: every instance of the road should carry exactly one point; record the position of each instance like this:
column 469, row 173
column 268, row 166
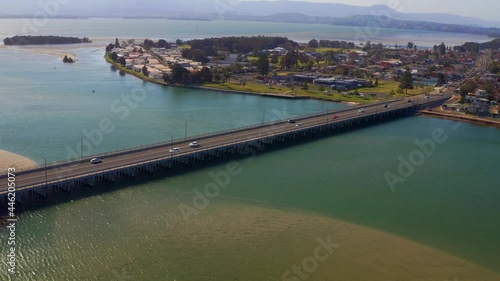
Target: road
column 110, row 162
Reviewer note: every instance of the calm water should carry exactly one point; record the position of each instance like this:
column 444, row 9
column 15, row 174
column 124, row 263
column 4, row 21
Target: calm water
column 172, row 30
column 138, row 233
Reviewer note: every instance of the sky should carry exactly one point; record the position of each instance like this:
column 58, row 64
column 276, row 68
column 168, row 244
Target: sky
column 483, row 9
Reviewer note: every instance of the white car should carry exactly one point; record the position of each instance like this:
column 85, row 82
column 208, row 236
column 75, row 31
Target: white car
column 95, row 161
column 362, row 110
column 298, row 125
column 175, row 150
column 194, row 144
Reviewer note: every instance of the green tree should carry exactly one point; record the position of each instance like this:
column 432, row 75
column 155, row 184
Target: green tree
column 313, row 43
column 113, row 56
column 441, row 79
column 406, row 81
column 468, row 87
column 442, row 49
column 263, row 64
column 410, row 45
column 145, row 71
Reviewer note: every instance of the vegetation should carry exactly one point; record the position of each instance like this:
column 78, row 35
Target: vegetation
column 406, row 81
column 244, row 45
column 67, row 59
column 43, row 40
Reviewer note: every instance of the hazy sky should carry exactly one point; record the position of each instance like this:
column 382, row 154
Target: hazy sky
column 484, row 9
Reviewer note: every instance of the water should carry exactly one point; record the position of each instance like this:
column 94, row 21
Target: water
column 269, row 215
column 50, row 107
column 172, row 30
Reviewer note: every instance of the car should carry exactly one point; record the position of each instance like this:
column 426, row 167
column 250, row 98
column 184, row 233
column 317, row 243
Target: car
column 335, row 117
column 194, row 144
column 95, row 161
column 386, row 106
column 298, row 125
column 175, row 150
column 291, row 121
column 362, row 110
column 409, row 101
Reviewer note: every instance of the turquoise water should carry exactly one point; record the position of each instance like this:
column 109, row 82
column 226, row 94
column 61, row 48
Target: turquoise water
column 48, row 107
column 448, row 203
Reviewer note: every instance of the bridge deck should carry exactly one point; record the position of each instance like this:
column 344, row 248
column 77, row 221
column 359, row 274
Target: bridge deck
column 119, row 161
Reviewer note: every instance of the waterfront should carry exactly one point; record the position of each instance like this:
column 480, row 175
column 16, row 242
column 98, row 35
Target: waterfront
column 269, row 217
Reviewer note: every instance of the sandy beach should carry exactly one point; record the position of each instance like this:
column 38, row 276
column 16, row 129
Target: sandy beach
column 11, row 160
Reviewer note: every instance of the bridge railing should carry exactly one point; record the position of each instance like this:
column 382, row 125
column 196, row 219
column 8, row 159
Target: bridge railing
column 201, row 137
column 209, row 148
column 177, row 141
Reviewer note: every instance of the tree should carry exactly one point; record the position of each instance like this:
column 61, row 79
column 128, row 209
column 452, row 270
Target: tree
column 110, row 47
column 468, row 87
column 406, row 81
column 122, row 61
column 178, row 72
column 263, row 64
column 376, row 82
column 113, row 56
column 410, row 45
column 313, row 43
column 145, row 71
column 117, row 43
column 441, row 79
column 162, row 43
column 206, row 75
column 442, row 49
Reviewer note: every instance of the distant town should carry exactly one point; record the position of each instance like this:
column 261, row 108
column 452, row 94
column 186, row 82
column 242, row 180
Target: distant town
column 321, row 69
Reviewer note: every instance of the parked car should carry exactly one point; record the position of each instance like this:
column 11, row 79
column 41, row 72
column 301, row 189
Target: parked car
column 175, row 150
column 95, row 161
column 194, row 144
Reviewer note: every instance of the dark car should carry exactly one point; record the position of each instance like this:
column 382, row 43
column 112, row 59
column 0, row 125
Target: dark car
column 291, row 121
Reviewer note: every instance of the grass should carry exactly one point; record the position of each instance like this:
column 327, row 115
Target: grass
column 313, row 91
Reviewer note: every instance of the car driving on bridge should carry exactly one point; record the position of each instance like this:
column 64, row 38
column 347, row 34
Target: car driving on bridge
column 95, row 161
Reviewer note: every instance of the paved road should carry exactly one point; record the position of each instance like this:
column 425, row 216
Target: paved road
column 110, row 162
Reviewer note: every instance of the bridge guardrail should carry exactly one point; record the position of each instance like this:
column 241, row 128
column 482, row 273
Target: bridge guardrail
column 165, row 157
column 198, row 137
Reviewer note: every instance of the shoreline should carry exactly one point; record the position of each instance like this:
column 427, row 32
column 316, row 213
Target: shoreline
column 461, row 118
column 12, row 160
column 138, row 75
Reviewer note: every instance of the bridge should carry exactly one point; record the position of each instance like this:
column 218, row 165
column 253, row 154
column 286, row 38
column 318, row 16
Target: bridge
column 65, row 177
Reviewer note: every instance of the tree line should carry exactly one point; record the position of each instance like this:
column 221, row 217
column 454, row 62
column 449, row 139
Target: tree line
column 44, row 40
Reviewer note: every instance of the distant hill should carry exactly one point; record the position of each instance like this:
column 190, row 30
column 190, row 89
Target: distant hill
column 215, row 9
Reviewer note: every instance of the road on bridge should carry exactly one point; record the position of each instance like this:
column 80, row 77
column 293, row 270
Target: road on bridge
column 80, row 168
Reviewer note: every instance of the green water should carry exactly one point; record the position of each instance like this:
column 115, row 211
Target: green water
column 138, row 232
column 450, row 203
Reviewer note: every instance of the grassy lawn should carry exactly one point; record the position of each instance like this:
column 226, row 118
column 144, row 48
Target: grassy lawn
column 313, row 91
column 386, row 86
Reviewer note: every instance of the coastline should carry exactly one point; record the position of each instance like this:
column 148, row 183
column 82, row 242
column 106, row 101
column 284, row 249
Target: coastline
column 297, row 97
column 461, row 118
column 12, row 160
